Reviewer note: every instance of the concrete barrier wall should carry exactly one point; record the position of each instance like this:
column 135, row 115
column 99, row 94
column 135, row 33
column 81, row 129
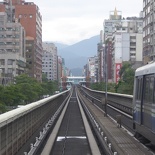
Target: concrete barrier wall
column 17, row 126
column 123, row 102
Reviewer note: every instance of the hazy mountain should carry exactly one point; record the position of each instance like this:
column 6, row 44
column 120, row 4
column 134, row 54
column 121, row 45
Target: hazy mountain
column 76, row 55
column 84, row 48
column 60, row 46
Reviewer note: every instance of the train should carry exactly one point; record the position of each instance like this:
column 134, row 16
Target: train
column 144, row 103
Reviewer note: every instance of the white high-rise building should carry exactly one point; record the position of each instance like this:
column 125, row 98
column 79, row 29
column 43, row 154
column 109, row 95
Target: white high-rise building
column 49, row 61
column 127, row 44
column 12, row 49
column 148, row 31
column 126, row 36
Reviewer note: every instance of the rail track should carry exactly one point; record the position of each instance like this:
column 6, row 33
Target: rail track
column 72, row 133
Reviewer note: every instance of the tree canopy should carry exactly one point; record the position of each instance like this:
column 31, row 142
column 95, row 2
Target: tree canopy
column 24, row 91
column 125, row 84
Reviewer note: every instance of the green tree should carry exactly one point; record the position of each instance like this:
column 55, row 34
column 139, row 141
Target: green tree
column 1, row 92
column 125, row 85
column 29, row 87
column 2, row 108
column 12, row 96
column 25, row 90
column 52, row 86
column 44, row 78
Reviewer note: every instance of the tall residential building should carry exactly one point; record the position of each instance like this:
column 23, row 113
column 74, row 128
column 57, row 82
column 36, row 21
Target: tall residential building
column 126, row 45
column 59, row 68
column 110, row 24
column 100, row 49
column 123, row 42
column 50, row 61
column 27, row 13
column 148, row 31
column 12, row 47
column 30, row 56
column 92, row 68
column 109, row 27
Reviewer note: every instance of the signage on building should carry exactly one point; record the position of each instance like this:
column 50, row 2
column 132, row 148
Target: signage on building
column 118, row 68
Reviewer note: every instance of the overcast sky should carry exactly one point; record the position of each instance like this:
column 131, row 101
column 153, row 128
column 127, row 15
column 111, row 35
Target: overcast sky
column 70, row 21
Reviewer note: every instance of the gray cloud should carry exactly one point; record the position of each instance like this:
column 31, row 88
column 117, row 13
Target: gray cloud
column 69, row 21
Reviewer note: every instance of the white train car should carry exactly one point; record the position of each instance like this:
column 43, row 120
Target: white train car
column 144, row 102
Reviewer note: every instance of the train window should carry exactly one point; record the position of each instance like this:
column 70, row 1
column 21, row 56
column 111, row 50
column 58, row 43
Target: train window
column 148, row 89
column 151, row 89
column 139, row 89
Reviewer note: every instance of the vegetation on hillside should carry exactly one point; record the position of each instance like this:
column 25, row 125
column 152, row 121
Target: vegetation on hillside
column 24, row 91
column 125, row 84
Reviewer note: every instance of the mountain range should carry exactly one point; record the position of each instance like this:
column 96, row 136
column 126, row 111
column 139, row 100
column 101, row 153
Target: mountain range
column 76, row 55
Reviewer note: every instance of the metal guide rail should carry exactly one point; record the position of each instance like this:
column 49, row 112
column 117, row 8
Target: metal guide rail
column 119, row 101
column 72, row 134
column 110, row 133
column 118, row 107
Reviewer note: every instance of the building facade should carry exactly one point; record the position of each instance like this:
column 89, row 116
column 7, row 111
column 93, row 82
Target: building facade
column 12, row 48
column 148, row 31
column 93, row 68
column 123, row 42
column 100, row 49
column 28, row 15
column 127, row 45
column 59, row 68
column 50, row 61
column 30, row 56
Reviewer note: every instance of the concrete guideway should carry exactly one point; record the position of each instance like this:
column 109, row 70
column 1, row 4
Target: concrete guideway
column 120, row 141
column 50, row 141
column 91, row 139
column 70, row 136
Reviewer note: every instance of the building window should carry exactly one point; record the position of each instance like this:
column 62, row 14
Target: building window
column 20, row 16
column 132, row 54
column 10, row 62
column 10, row 70
column 31, row 16
column 2, row 62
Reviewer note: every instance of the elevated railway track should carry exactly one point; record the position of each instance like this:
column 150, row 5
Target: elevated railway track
column 72, row 121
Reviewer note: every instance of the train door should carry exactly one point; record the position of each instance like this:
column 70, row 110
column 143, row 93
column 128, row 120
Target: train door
column 138, row 102
column 148, row 101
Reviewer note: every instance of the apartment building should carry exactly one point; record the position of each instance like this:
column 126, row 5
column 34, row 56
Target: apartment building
column 59, row 68
column 92, row 65
column 100, row 49
column 30, row 57
column 28, row 15
column 148, row 31
column 50, row 61
column 127, row 44
column 123, row 42
column 12, row 48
